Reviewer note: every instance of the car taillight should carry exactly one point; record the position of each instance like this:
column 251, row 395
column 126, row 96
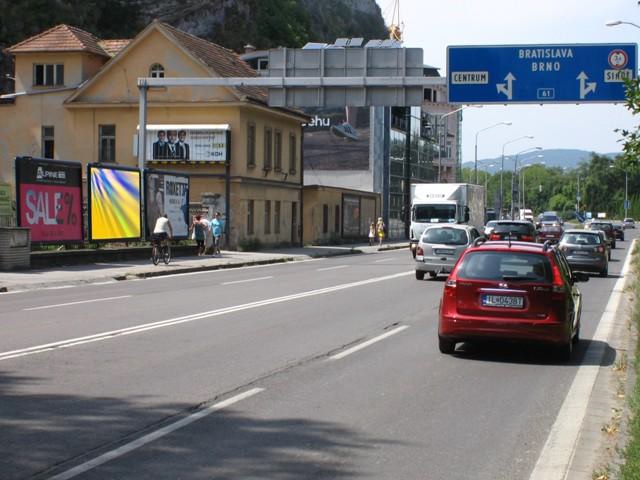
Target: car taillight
column 494, row 236
column 558, row 283
column 419, row 251
column 600, row 249
column 450, row 283
column 526, row 238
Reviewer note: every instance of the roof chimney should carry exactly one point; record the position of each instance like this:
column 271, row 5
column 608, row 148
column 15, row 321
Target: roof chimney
column 248, row 48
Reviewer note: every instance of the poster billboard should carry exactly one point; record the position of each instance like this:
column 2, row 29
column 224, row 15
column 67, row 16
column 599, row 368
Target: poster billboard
column 49, row 199
column 114, row 202
column 351, row 216
column 167, row 192
column 188, row 143
column 337, row 138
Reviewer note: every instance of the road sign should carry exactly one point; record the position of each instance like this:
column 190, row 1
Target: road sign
column 627, row 204
column 587, row 73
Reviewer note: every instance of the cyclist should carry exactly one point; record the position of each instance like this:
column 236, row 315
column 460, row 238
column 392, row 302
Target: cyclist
column 162, row 231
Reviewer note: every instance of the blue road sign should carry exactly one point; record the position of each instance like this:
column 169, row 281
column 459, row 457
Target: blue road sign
column 540, row 73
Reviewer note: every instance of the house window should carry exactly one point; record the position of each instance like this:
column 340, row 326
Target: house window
column 276, row 218
column 267, row 216
column 107, row 146
column 268, row 150
column 263, row 64
column 336, row 220
column 48, row 75
column 293, row 153
column 277, row 151
column 250, row 217
column 156, row 71
column 325, row 218
column 47, row 142
column 251, row 145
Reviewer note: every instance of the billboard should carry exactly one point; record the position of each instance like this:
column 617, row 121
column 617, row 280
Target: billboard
column 337, row 138
column 188, row 143
column 49, row 199
column 114, row 202
column 167, row 192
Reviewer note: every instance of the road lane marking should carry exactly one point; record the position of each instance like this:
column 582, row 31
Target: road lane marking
column 153, row 436
column 190, row 318
column 384, row 260
column 331, row 268
column 351, row 350
column 59, row 287
column 246, row 281
column 77, row 303
column 558, row 451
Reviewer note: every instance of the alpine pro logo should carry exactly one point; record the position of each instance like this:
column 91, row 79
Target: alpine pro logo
column 42, row 174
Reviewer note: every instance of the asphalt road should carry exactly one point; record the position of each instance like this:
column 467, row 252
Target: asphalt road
column 252, row 373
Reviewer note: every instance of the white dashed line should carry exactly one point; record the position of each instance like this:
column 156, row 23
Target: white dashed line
column 78, row 302
column 331, row 268
column 247, row 280
column 351, row 350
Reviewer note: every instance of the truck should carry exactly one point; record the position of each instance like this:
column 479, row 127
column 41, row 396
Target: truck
column 438, row 203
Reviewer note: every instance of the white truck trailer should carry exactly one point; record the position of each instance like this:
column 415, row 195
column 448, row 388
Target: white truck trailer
column 437, row 203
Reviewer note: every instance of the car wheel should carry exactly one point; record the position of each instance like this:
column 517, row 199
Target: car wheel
column 613, row 245
column 446, row 346
column 419, row 275
column 609, row 255
column 576, row 337
column 433, row 274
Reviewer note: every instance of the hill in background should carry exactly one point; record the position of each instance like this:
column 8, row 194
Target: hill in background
column 561, row 158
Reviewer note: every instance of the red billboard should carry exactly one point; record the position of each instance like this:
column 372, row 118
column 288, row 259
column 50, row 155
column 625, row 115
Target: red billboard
column 49, row 199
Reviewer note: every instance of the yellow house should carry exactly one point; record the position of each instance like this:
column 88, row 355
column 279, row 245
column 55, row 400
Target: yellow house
column 76, row 98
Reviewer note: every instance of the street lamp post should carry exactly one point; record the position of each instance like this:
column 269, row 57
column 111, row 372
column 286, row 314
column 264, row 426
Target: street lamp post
column 475, row 163
column 515, row 172
column 502, row 169
column 440, row 135
column 626, row 194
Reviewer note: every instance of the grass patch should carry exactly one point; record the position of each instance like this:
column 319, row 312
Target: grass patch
column 631, row 468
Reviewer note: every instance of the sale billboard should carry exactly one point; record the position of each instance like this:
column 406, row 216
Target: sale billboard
column 49, row 199
column 114, row 202
column 167, row 192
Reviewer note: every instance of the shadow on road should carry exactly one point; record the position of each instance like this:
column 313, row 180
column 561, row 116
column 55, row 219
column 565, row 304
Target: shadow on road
column 46, row 434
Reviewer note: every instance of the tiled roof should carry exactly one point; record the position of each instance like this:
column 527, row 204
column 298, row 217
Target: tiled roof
column 224, row 62
column 61, row 38
column 113, row 47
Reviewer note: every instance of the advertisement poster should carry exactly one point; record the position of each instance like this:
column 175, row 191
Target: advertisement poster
column 167, row 193
column 114, row 203
column 337, row 139
column 188, row 143
column 49, row 198
column 350, row 216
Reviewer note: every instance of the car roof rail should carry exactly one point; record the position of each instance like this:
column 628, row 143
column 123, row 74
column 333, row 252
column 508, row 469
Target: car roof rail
column 547, row 245
column 479, row 241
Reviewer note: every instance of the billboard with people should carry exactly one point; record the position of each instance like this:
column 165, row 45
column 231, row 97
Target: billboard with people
column 167, row 193
column 49, row 199
column 114, row 202
column 188, row 143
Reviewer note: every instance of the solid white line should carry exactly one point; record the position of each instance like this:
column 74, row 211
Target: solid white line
column 246, row 281
column 60, row 287
column 384, row 260
column 77, row 303
column 153, row 436
column 558, row 451
column 188, row 318
column 331, row 268
column 351, row 350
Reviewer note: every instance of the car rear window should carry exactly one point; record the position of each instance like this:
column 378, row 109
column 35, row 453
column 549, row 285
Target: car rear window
column 448, row 236
column 521, row 228
column 581, row 239
column 601, row 226
column 505, row 266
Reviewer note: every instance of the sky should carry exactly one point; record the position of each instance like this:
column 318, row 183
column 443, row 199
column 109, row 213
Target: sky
column 433, row 26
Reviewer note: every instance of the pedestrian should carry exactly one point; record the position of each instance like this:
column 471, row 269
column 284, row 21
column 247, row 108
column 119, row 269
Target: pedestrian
column 197, row 233
column 380, row 228
column 217, row 227
column 372, row 234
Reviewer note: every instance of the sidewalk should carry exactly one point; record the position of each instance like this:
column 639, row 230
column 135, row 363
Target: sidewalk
column 112, row 271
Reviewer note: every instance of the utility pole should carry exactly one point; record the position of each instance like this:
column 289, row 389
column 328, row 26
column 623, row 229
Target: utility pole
column 407, row 173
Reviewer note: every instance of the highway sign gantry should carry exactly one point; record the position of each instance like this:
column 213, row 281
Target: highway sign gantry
column 566, row 73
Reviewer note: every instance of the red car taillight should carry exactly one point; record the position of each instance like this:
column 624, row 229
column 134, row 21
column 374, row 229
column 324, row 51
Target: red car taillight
column 600, row 249
column 450, row 283
column 526, row 238
column 558, row 284
column 494, row 236
column 450, row 287
column 420, row 251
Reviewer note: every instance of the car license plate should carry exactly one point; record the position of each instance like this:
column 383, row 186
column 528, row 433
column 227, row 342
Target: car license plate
column 443, row 251
column 502, row 301
column 580, row 252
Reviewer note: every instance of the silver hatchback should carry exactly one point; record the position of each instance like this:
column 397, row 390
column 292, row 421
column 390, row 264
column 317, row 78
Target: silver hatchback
column 440, row 247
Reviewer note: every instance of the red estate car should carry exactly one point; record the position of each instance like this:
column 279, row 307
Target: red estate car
column 512, row 291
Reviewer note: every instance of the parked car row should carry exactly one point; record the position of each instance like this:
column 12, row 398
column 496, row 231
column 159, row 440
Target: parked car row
column 516, row 282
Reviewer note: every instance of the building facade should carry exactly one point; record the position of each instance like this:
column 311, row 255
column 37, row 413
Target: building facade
column 76, row 98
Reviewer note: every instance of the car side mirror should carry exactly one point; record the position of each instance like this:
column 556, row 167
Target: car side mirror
column 580, row 277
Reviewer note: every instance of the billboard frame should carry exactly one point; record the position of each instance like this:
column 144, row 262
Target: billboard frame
column 151, row 171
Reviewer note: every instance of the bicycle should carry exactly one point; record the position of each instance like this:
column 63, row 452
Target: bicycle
column 160, row 249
